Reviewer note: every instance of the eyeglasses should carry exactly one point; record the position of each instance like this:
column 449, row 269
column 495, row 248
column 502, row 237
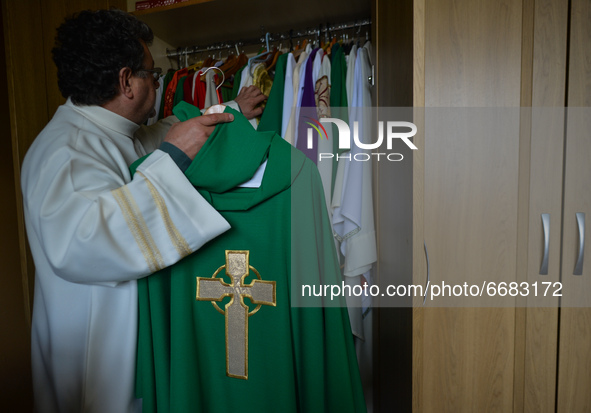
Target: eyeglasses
column 156, row 72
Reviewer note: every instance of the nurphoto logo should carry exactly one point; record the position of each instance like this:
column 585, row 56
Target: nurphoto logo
column 391, row 131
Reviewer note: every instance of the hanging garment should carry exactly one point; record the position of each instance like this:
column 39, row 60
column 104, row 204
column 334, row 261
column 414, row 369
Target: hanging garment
column 159, row 92
column 297, row 83
column 364, row 347
column 211, row 96
column 188, row 88
column 325, row 144
column 353, row 216
column 165, row 82
column 226, row 91
column 199, row 90
column 351, row 60
column 338, row 101
column 266, row 353
column 180, row 90
column 300, row 93
column 317, row 65
column 246, row 79
column 369, row 48
column 271, row 119
column 169, row 95
column 287, row 93
column 195, row 78
column 322, row 89
column 361, row 247
column 307, row 111
column 237, row 80
column 261, row 79
column 338, row 95
column 233, row 74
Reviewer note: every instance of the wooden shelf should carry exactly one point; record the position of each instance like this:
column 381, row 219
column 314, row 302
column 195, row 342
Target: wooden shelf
column 171, row 7
column 202, row 22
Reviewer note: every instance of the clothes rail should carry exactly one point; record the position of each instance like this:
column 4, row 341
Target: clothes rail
column 320, row 30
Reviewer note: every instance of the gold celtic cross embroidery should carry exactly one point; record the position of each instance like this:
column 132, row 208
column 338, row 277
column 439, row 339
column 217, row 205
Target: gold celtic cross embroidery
column 236, row 312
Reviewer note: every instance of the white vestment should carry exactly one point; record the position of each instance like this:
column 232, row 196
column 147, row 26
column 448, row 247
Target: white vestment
column 287, row 93
column 353, row 220
column 298, row 84
column 93, row 230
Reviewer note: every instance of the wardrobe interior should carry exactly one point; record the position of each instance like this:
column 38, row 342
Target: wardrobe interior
column 194, row 23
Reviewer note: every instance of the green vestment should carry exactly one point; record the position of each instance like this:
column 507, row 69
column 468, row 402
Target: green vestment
column 237, row 78
column 299, row 359
column 179, row 91
column 338, row 99
column 272, row 117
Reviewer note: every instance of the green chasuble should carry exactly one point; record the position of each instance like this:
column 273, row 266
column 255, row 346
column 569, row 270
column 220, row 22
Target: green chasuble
column 227, row 92
column 237, row 78
column 179, row 92
column 338, row 99
column 224, row 330
column 272, row 117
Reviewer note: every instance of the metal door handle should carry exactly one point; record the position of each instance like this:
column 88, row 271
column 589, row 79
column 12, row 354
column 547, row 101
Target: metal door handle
column 546, row 227
column 581, row 224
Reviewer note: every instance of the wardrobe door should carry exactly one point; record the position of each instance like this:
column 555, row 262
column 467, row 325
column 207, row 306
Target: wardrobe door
column 574, row 359
column 470, row 200
column 541, row 166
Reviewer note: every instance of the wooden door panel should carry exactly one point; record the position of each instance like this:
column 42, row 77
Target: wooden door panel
column 470, row 195
column 574, row 359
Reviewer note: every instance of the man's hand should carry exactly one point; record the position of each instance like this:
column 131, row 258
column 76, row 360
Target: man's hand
column 189, row 136
column 248, row 99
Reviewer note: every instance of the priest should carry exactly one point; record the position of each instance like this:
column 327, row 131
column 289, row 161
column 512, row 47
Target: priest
column 92, row 228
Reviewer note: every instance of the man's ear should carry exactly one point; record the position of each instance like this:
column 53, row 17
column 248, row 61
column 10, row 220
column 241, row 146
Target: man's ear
column 125, row 78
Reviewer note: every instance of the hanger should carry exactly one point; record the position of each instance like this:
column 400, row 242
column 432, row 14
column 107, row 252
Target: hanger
column 215, row 68
column 317, row 41
column 198, row 65
column 276, row 54
column 208, row 62
column 221, row 83
column 271, row 56
column 228, row 67
column 257, row 58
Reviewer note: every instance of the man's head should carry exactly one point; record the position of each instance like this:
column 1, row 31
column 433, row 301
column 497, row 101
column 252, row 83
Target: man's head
column 93, row 47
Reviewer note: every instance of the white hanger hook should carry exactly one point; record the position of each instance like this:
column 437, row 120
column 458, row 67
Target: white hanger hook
column 221, row 71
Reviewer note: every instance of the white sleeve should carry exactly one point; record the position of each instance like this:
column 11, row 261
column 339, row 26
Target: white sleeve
column 152, row 136
column 95, row 225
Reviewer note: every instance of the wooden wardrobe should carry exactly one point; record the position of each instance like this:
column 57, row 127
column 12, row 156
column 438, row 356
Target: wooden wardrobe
column 478, row 199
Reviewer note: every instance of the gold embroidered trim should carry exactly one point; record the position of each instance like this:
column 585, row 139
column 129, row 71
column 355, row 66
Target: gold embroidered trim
column 179, row 242
column 139, row 229
column 236, row 313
